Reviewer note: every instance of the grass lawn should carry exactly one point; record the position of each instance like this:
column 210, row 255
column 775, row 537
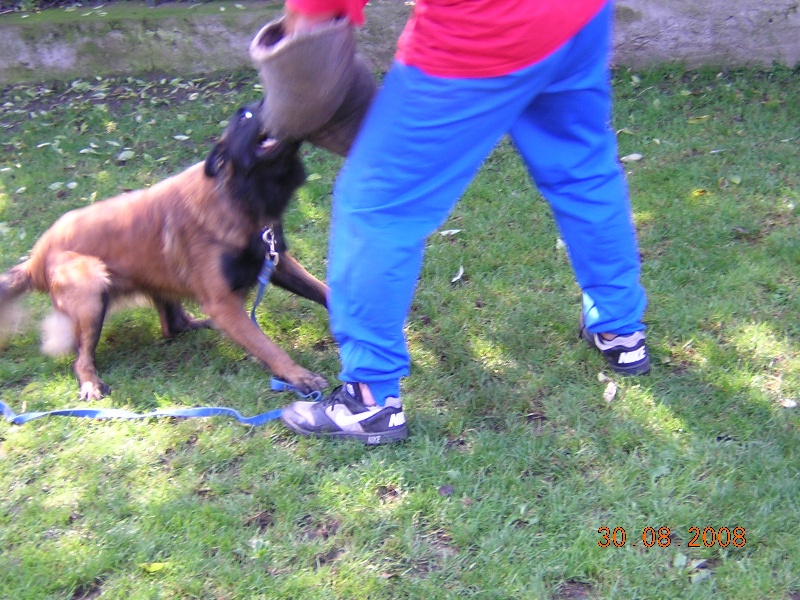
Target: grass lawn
column 522, row 477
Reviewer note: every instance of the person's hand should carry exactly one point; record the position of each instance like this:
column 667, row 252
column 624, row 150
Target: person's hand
column 296, row 22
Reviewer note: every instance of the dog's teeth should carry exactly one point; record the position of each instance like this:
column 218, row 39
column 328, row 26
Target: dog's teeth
column 269, row 143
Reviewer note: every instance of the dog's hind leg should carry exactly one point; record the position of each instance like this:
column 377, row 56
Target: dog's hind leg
column 175, row 320
column 80, row 289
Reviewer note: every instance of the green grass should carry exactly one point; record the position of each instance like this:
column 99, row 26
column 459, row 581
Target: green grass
column 515, row 460
column 65, row 11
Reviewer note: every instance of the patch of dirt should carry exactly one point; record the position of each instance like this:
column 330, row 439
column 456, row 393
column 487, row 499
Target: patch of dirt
column 573, row 590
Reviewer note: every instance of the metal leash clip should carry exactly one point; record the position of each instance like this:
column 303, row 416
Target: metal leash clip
column 269, row 239
column 270, row 260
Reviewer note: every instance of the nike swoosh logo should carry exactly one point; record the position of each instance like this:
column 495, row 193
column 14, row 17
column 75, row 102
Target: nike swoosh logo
column 344, row 420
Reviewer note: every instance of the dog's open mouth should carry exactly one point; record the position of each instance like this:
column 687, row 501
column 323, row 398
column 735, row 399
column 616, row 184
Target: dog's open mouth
column 267, row 144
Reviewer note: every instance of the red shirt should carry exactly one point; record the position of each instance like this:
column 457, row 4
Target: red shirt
column 475, row 38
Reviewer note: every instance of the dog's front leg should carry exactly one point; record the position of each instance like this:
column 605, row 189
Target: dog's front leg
column 292, row 276
column 229, row 316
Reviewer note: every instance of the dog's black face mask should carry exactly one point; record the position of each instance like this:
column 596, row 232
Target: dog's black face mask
column 261, row 173
column 246, row 146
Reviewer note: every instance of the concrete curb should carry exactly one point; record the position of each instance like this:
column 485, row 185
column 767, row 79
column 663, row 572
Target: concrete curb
column 184, row 39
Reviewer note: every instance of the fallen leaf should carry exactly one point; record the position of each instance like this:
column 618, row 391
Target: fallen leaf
column 446, row 490
column 180, row 138
column 125, row 155
column 154, row 567
column 699, row 192
column 458, row 276
column 610, row 392
column 631, row 158
column 700, row 575
column 698, row 120
column 680, row 561
column 699, row 563
column 447, row 232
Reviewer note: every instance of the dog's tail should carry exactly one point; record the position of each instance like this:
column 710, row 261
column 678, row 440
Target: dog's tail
column 13, row 283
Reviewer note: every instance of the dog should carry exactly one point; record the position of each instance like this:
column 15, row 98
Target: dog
column 196, row 235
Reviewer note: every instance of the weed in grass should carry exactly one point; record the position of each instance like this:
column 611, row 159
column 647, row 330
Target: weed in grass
column 515, row 461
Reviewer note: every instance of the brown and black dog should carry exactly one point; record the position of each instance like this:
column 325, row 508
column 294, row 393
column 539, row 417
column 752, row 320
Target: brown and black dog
column 195, row 235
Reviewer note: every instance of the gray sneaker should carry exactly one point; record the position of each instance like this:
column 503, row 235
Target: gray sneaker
column 625, row 354
column 344, row 414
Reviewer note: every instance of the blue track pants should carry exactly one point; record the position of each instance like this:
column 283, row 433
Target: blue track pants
column 419, row 147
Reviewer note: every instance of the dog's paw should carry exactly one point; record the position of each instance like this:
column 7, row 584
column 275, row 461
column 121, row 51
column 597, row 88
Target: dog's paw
column 93, row 391
column 307, row 382
column 190, row 323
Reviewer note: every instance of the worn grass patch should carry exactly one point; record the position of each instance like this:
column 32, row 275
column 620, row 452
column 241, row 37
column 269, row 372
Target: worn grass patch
column 515, row 464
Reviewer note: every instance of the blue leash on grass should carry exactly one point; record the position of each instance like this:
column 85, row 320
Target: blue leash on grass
column 182, row 413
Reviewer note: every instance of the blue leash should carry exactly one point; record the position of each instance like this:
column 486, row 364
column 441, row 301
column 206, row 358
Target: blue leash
column 183, row 413
column 263, row 279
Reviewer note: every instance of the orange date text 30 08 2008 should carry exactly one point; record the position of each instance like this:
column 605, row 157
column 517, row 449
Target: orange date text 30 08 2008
column 663, row 537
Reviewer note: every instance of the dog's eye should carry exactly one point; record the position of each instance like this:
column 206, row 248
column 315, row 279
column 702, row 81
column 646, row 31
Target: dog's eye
column 245, row 114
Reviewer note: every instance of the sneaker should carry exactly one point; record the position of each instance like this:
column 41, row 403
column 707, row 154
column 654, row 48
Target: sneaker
column 626, row 354
column 344, row 414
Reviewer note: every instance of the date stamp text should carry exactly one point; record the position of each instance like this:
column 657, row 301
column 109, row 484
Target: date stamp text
column 664, row 537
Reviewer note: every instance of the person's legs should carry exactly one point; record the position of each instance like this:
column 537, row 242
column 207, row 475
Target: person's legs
column 422, row 141
column 565, row 138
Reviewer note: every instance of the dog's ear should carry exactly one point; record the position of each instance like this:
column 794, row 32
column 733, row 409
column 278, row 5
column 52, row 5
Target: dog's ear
column 216, row 159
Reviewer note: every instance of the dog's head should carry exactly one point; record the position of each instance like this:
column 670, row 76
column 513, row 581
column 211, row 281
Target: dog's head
column 245, row 148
